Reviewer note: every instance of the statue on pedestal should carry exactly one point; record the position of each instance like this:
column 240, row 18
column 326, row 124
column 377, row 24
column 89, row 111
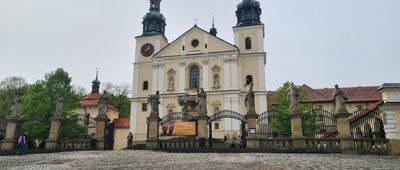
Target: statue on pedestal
column 59, row 106
column 154, row 101
column 249, row 100
column 293, row 99
column 202, row 104
column 340, row 100
column 104, row 101
column 16, row 107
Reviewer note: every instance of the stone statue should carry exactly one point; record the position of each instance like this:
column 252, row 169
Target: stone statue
column 249, row 100
column 171, row 83
column 202, row 106
column 216, row 80
column 59, row 106
column 154, row 101
column 155, row 4
column 104, row 101
column 340, row 100
column 86, row 120
column 16, row 107
column 293, row 99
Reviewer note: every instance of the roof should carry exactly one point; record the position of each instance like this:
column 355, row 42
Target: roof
column 389, row 85
column 92, row 99
column 355, row 94
column 194, row 27
column 122, row 123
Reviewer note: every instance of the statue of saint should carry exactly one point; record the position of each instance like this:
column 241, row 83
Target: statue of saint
column 249, row 100
column 202, row 105
column 340, row 100
column 86, row 120
column 154, row 101
column 104, row 101
column 293, row 99
column 59, row 106
column 155, row 4
column 171, row 83
column 16, row 107
column 216, row 80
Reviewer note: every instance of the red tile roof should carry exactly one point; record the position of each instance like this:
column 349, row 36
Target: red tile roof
column 355, row 94
column 92, row 99
column 122, row 123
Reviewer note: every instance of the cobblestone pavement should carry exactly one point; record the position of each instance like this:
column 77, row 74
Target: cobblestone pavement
column 162, row 160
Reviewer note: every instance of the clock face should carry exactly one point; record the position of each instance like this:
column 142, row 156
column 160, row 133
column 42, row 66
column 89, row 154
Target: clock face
column 147, row 49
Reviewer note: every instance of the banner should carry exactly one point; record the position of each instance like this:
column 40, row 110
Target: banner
column 184, row 129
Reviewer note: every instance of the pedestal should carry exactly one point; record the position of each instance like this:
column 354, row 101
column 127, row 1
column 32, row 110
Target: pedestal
column 10, row 139
column 152, row 137
column 51, row 142
column 202, row 129
column 99, row 132
column 251, row 118
column 344, row 132
column 298, row 141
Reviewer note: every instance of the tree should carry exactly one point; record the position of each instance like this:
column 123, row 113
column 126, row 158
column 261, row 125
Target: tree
column 118, row 95
column 38, row 105
column 281, row 119
column 10, row 88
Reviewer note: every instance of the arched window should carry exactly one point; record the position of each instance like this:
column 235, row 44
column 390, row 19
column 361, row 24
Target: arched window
column 249, row 79
column 145, row 85
column 194, row 77
column 248, row 43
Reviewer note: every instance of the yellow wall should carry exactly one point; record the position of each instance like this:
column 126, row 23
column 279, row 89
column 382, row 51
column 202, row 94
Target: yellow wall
column 120, row 137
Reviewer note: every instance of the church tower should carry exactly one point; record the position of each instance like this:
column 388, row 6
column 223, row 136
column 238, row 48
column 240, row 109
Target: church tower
column 249, row 38
column 249, row 31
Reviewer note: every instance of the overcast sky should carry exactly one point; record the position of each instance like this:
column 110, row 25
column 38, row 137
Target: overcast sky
column 314, row 42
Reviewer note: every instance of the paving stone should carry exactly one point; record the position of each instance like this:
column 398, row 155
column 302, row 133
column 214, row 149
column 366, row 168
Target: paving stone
column 141, row 159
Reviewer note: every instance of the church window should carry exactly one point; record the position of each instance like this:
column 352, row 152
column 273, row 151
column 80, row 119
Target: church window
column 248, row 43
column 145, row 85
column 249, row 79
column 144, row 107
column 216, row 125
column 206, row 46
column 194, row 77
column 183, row 48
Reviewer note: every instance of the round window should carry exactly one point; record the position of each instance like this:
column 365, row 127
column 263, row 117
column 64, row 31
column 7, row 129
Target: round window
column 195, row 43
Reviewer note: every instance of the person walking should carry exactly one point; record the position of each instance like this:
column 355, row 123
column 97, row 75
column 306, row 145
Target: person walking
column 130, row 139
column 93, row 141
column 23, row 147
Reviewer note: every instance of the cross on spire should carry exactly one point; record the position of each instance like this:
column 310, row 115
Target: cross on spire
column 195, row 21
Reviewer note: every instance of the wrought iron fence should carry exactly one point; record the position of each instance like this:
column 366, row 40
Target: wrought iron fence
column 168, row 125
column 319, row 123
column 367, row 124
column 273, row 124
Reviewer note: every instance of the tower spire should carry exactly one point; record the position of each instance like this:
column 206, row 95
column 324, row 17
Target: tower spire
column 96, row 83
column 213, row 30
column 154, row 22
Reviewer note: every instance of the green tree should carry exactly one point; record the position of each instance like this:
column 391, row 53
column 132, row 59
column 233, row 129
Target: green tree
column 10, row 88
column 281, row 120
column 38, row 105
column 118, row 95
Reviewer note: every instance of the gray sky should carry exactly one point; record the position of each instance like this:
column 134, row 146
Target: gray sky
column 317, row 42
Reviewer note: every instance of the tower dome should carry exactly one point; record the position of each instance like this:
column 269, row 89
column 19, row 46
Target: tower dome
column 248, row 13
column 154, row 22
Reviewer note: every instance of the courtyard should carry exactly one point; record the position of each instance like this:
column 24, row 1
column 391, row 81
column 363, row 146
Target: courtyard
column 140, row 159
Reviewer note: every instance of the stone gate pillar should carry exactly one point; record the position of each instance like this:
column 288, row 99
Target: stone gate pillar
column 10, row 139
column 152, row 137
column 100, row 131
column 202, row 129
column 51, row 142
column 252, row 140
column 297, row 131
column 344, row 132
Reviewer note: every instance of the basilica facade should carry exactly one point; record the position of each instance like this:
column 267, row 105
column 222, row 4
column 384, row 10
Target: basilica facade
column 199, row 59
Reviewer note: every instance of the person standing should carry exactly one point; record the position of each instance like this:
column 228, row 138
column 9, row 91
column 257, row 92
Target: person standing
column 130, row 139
column 23, row 147
column 93, row 141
